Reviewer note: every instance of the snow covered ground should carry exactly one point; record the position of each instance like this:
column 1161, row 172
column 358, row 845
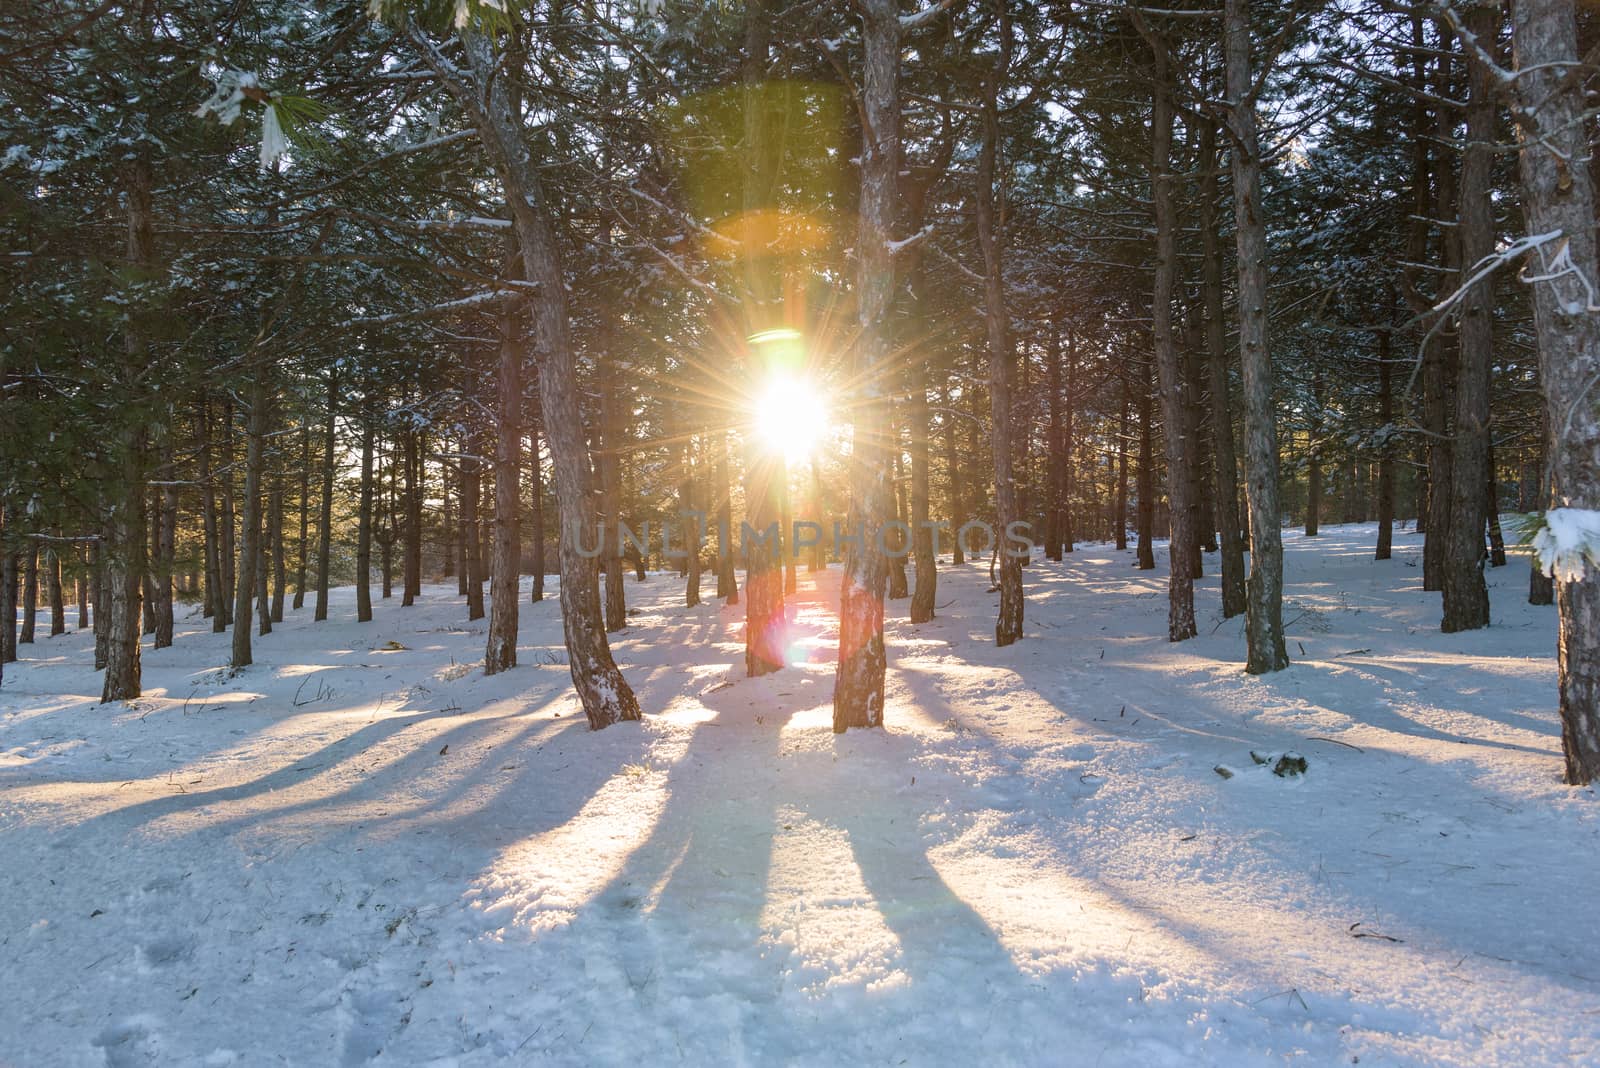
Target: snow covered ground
column 361, row 851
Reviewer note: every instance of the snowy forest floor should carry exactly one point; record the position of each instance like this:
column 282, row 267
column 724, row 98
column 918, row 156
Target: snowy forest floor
column 362, row 851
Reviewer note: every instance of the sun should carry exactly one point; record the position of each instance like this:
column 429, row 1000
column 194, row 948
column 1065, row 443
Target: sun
column 790, row 416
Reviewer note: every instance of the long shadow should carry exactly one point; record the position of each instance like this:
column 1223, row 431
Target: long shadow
column 338, row 751
column 686, row 912
column 922, row 686
column 1373, row 708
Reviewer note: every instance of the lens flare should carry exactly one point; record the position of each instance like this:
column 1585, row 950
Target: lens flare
column 790, row 417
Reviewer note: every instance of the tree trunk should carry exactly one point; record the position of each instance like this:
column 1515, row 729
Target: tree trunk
column 228, row 514
column 412, row 442
column 364, row 517
column 82, row 585
column 925, row 568
column 1174, row 409
column 250, row 532
column 1466, row 596
column 1068, row 486
column 899, row 546
column 471, row 497
column 53, row 592
column 688, row 503
column 1225, row 462
column 1146, row 482
column 1008, row 625
column 1559, row 198
column 102, row 611
column 385, row 532
column 325, row 504
column 166, row 537
column 9, row 565
column 1491, row 508
column 1314, row 460
column 605, row 694
column 1120, row 505
column 504, row 571
column 819, row 553
column 536, row 505
column 280, row 571
column 727, row 580
column 1264, row 593
column 1441, row 357
column 263, row 562
column 765, row 479
column 1202, row 475
column 126, row 541
column 30, row 592
column 303, row 547
column 1054, row 448
column 608, row 465
column 1386, row 448
column 952, row 463
column 858, row 693
column 215, row 594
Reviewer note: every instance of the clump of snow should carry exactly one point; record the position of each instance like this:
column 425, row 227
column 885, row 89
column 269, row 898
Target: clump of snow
column 226, row 102
column 228, row 96
column 1568, row 543
column 273, row 141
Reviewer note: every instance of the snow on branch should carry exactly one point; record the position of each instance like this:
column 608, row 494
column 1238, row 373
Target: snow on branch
column 477, row 300
column 1567, row 543
column 465, row 224
column 1474, row 48
column 926, row 15
column 1487, row 266
column 897, row 247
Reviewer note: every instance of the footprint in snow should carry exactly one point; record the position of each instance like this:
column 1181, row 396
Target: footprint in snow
column 129, row 1043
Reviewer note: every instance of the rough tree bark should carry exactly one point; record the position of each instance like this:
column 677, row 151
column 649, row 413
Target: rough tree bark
column 125, row 545
column 280, row 572
column 303, row 546
column 325, row 501
column 216, row 595
column 1120, row 503
column 689, row 501
column 472, row 545
column 1225, row 462
column 1386, row 448
column 1442, row 355
column 1008, row 624
column 1174, row 410
column 605, row 694
column 1491, row 508
column 165, row 537
column 926, row 575
column 952, row 463
column 765, row 481
column 250, row 526
column 1054, row 449
column 608, row 465
column 1146, row 481
column 1264, row 592
column 858, row 693
column 1314, row 459
column 364, row 520
column 30, row 593
column 411, row 443
column 500, row 650
column 1559, row 198
column 1466, row 596
column 536, row 504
